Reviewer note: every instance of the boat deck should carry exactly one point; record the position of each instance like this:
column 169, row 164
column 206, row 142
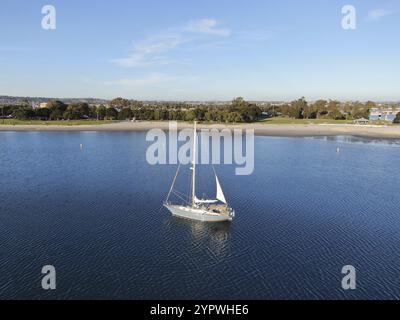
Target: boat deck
column 218, row 208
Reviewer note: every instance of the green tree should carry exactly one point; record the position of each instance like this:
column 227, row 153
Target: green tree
column 238, row 103
column 190, row 115
column 101, row 112
column 297, row 108
column 120, row 103
column 57, row 109
column 370, row 105
column 56, row 114
column 42, row 114
column 209, row 116
column 334, row 110
column 125, row 114
column 360, row 113
column 242, row 109
column 336, row 114
column 320, row 107
column 111, row 114
column 23, row 114
column 397, row 119
column 77, row 111
column 56, row 104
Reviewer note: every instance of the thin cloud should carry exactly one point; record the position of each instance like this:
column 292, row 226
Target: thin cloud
column 207, row 26
column 149, row 52
column 378, row 14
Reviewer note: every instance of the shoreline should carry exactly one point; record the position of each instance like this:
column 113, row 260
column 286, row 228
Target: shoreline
column 276, row 130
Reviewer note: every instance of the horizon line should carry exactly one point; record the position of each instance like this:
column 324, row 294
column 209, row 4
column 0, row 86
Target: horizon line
column 202, row 100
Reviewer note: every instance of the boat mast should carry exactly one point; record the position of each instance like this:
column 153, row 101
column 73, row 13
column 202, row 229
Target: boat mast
column 194, row 166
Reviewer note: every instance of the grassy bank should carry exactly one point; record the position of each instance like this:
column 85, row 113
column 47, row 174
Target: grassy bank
column 305, row 121
column 15, row 122
column 280, row 120
column 316, row 121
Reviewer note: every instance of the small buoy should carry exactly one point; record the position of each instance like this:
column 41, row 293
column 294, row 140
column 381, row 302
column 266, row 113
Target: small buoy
column 338, row 150
column 81, row 146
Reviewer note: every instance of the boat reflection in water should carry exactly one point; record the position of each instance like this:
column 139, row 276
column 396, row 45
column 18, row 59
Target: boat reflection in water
column 214, row 236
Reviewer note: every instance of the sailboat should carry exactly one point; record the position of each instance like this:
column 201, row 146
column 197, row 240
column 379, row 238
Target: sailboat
column 208, row 210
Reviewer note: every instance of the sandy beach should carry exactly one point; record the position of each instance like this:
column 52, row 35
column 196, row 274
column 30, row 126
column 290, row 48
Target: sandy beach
column 285, row 130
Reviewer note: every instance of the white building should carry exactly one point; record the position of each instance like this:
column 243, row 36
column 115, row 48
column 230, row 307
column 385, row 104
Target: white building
column 388, row 113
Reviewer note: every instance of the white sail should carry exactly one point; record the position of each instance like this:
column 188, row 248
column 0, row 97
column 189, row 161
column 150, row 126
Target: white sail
column 220, row 193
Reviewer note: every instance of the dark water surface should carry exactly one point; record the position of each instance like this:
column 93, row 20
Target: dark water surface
column 95, row 215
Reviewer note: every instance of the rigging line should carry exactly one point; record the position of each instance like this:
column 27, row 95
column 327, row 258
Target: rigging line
column 183, row 199
column 176, row 192
column 213, row 169
column 179, row 194
column 173, row 182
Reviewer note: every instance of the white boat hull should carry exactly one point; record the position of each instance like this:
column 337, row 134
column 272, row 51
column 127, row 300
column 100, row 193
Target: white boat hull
column 197, row 214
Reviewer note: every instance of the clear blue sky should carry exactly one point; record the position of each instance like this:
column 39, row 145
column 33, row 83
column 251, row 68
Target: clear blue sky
column 201, row 50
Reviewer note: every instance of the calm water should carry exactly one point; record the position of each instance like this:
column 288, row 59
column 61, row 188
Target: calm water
column 95, row 215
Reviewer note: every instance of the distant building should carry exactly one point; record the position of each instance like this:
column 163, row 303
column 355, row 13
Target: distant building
column 387, row 114
column 43, row 105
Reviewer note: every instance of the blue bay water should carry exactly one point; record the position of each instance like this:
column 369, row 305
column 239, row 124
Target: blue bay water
column 95, row 214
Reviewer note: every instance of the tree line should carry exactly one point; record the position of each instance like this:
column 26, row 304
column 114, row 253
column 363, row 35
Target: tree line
column 322, row 109
column 122, row 109
column 239, row 110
